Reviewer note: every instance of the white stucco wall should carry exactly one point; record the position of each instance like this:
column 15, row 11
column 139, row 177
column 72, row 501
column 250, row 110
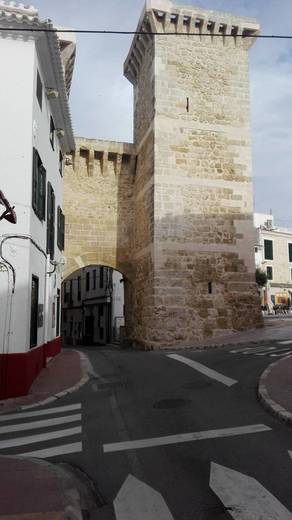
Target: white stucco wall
column 24, row 126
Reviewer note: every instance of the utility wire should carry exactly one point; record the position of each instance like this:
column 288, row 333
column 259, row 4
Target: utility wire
column 147, row 33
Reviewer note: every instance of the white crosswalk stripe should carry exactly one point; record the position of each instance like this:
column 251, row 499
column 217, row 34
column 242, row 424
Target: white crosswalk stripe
column 281, row 349
column 32, row 420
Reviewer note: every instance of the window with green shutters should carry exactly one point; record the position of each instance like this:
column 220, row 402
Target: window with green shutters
column 268, row 247
column 290, row 252
column 61, row 229
column 269, row 272
column 51, row 221
column 38, row 186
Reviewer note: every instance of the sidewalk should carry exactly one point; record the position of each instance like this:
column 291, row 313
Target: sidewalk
column 33, row 489
column 275, row 389
column 64, row 373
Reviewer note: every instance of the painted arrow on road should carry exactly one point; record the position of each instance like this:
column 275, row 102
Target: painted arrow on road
column 136, row 500
column 244, row 496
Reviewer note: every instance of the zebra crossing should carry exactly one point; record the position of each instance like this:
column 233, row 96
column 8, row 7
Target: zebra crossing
column 66, row 421
column 280, row 349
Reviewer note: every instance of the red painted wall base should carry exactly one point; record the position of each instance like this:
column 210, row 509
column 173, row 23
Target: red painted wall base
column 18, row 371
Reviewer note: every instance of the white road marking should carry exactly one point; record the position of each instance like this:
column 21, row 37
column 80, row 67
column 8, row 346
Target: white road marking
column 184, row 437
column 48, row 411
column 40, row 424
column 290, row 453
column 244, row 496
column 257, row 350
column 204, row 370
column 281, row 353
column 286, row 342
column 138, row 501
column 21, row 441
column 75, row 447
column 240, row 350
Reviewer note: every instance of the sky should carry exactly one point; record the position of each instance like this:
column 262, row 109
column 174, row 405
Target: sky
column 101, row 98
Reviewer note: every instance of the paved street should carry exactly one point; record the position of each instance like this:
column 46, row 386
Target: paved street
column 170, row 430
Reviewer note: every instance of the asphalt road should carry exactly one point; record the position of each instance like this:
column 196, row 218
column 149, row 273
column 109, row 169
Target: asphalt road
column 193, row 429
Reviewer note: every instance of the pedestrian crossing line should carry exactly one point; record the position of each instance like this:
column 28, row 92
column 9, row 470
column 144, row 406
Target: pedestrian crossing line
column 285, row 342
column 21, row 441
column 40, row 424
column 75, row 447
column 48, row 411
column 184, row 437
column 281, row 353
column 275, row 351
column 204, row 370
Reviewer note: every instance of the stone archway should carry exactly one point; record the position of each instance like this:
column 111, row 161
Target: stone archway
column 98, row 208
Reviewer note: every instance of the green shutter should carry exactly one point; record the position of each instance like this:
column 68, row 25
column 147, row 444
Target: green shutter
column 34, row 179
column 268, row 246
column 290, row 252
column 51, row 221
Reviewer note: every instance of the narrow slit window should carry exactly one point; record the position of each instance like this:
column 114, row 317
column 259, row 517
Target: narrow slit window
column 210, row 289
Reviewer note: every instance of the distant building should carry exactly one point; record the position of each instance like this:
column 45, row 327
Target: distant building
column 93, row 306
column 273, row 254
column 35, row 133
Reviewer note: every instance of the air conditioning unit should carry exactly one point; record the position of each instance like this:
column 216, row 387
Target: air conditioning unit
column 51, row 93
column 60, row 132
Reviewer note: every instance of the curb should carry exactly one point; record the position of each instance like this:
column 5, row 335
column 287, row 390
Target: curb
column 86, row 370
column 268, row 403
column 71, row 496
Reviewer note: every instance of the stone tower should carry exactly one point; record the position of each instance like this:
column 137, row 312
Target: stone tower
column 193, row 250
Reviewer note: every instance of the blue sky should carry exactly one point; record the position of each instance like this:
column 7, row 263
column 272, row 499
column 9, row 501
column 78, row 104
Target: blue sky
column 101, row 98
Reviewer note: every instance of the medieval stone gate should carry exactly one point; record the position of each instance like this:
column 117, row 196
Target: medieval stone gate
column 173, row 212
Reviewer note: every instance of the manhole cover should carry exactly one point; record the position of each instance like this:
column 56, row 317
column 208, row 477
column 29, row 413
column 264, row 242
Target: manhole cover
column 171, row 403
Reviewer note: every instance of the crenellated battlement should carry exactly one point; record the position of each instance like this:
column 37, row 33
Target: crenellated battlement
column 93, row 157
column 163, row 17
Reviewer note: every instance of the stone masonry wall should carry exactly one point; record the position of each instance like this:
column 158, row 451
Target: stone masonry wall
column 98, row 208
column 203, row 259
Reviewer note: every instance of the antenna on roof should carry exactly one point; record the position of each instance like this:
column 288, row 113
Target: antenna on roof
column 9, row 213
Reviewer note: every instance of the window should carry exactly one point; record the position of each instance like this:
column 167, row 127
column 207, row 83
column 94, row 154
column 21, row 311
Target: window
column 38, row 186
column 209, row 287
column 101, row 277
column 34, row 311
column 94, row 278
column 66, row 295
column 50, row 221
column 61, row 229
column 87, row 281
column 52, row 133
column 269, row 272
column 268, row 247
column 290, row 252
column 79, row 288
column 39, row 90
column 61, row 163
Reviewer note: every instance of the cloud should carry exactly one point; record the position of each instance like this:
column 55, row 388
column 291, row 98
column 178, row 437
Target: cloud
column 101, row 99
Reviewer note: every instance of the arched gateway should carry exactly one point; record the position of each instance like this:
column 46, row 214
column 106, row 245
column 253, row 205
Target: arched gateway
column 173, row 212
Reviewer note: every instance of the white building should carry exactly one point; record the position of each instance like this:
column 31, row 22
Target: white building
column 92, row 306
column 35, row 133
column 273, row 254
